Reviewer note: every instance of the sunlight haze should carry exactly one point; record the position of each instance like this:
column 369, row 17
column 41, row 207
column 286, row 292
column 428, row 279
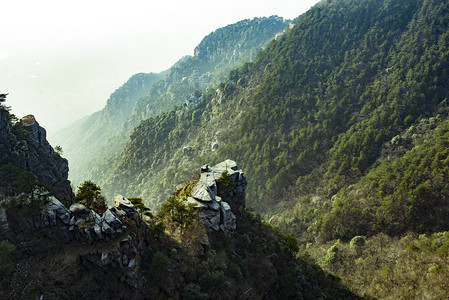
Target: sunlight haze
column 61, row 60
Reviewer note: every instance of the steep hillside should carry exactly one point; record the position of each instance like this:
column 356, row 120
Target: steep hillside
column 194, row 248
column 311, row 114
column 341, row 126
column 218, row 53
column 97, row 138
column 103, row 133
column 28, row 163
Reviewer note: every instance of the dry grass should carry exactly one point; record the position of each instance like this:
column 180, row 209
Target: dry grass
column 411, row 267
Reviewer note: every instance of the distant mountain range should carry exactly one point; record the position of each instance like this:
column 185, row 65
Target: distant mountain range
column 98, row 137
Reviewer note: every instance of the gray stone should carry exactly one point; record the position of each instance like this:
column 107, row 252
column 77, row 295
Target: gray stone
column 112, row 219
column 207, row 214
column 125, row 260
column 51, row 217
column 202, row 192
column 79, row 221
column 97, row 230
column 106, row 229
column 215, row 219
column 105, row 258
column 197, row 203
column 239, row 190
column 128, row 239
column 79, row 210
column 123, row 204
column 132, row 263
column 88, row 235
column 205, row 168
column 4, row 225
column 61, row 211
column 95, row 217
column 214, row 205
column 209, row 180
column 225, row 206
column 225, row 165
column 117, row 212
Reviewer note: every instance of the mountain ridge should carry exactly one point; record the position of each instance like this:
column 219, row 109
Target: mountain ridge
column 107, row 135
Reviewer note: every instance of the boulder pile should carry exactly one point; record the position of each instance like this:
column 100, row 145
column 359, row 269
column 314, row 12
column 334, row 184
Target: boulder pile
column 116, row 236
column 80, row 222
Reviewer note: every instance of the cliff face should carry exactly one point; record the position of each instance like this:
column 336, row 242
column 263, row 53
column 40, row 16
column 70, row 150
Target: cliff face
column 49, row 167
column 25, row 148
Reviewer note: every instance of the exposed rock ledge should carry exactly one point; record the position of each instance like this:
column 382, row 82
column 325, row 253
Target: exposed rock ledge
column 217, row 183
column 121, row 225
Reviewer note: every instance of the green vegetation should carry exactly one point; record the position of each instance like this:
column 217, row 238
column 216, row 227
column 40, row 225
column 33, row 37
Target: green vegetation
column 342, row 128
column 6, row 266
column 340, row 125
column 89, row 194
column 256, row 261
column 389, row 267
column 142, row 208
column 58, row 150
column 91, row 143
column 176, row 213
column 224, row 179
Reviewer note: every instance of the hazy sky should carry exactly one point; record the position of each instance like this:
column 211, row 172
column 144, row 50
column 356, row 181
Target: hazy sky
column 60, row 60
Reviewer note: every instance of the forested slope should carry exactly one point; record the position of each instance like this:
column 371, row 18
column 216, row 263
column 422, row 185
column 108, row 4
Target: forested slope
column 312, row 113
column 95, row 139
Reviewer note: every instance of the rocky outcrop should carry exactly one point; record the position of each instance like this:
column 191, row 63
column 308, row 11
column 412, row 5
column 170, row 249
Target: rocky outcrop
column 49, row 167
column 34, row 154
column 223, row 180
column 79, row 222
column 113, row 241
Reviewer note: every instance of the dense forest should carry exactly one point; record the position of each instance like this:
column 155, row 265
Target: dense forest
column 340, row 125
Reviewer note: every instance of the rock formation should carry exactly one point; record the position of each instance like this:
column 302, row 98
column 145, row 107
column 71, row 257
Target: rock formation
column 120, row 227
column 223, row 180
column 33, row 154
column 49, row 167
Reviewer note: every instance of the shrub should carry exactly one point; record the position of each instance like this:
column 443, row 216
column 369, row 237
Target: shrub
column 159, row 266
column 6, row 266
column 331, row 257
column 192, row 291
column 89, row 194
column 224, row 179
column 357, row 242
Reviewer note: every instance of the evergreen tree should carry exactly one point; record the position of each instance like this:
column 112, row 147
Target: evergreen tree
column 89, row 194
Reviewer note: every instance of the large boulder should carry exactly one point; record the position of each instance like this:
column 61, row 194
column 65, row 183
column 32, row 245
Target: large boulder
column 59, row 209
column 202, row 192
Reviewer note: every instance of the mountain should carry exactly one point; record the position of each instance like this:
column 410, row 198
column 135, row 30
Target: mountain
column 218, row 53
column 341, row 127
column 27, row 160
column 101, row 134
column 202, row 244
column 97, row 138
